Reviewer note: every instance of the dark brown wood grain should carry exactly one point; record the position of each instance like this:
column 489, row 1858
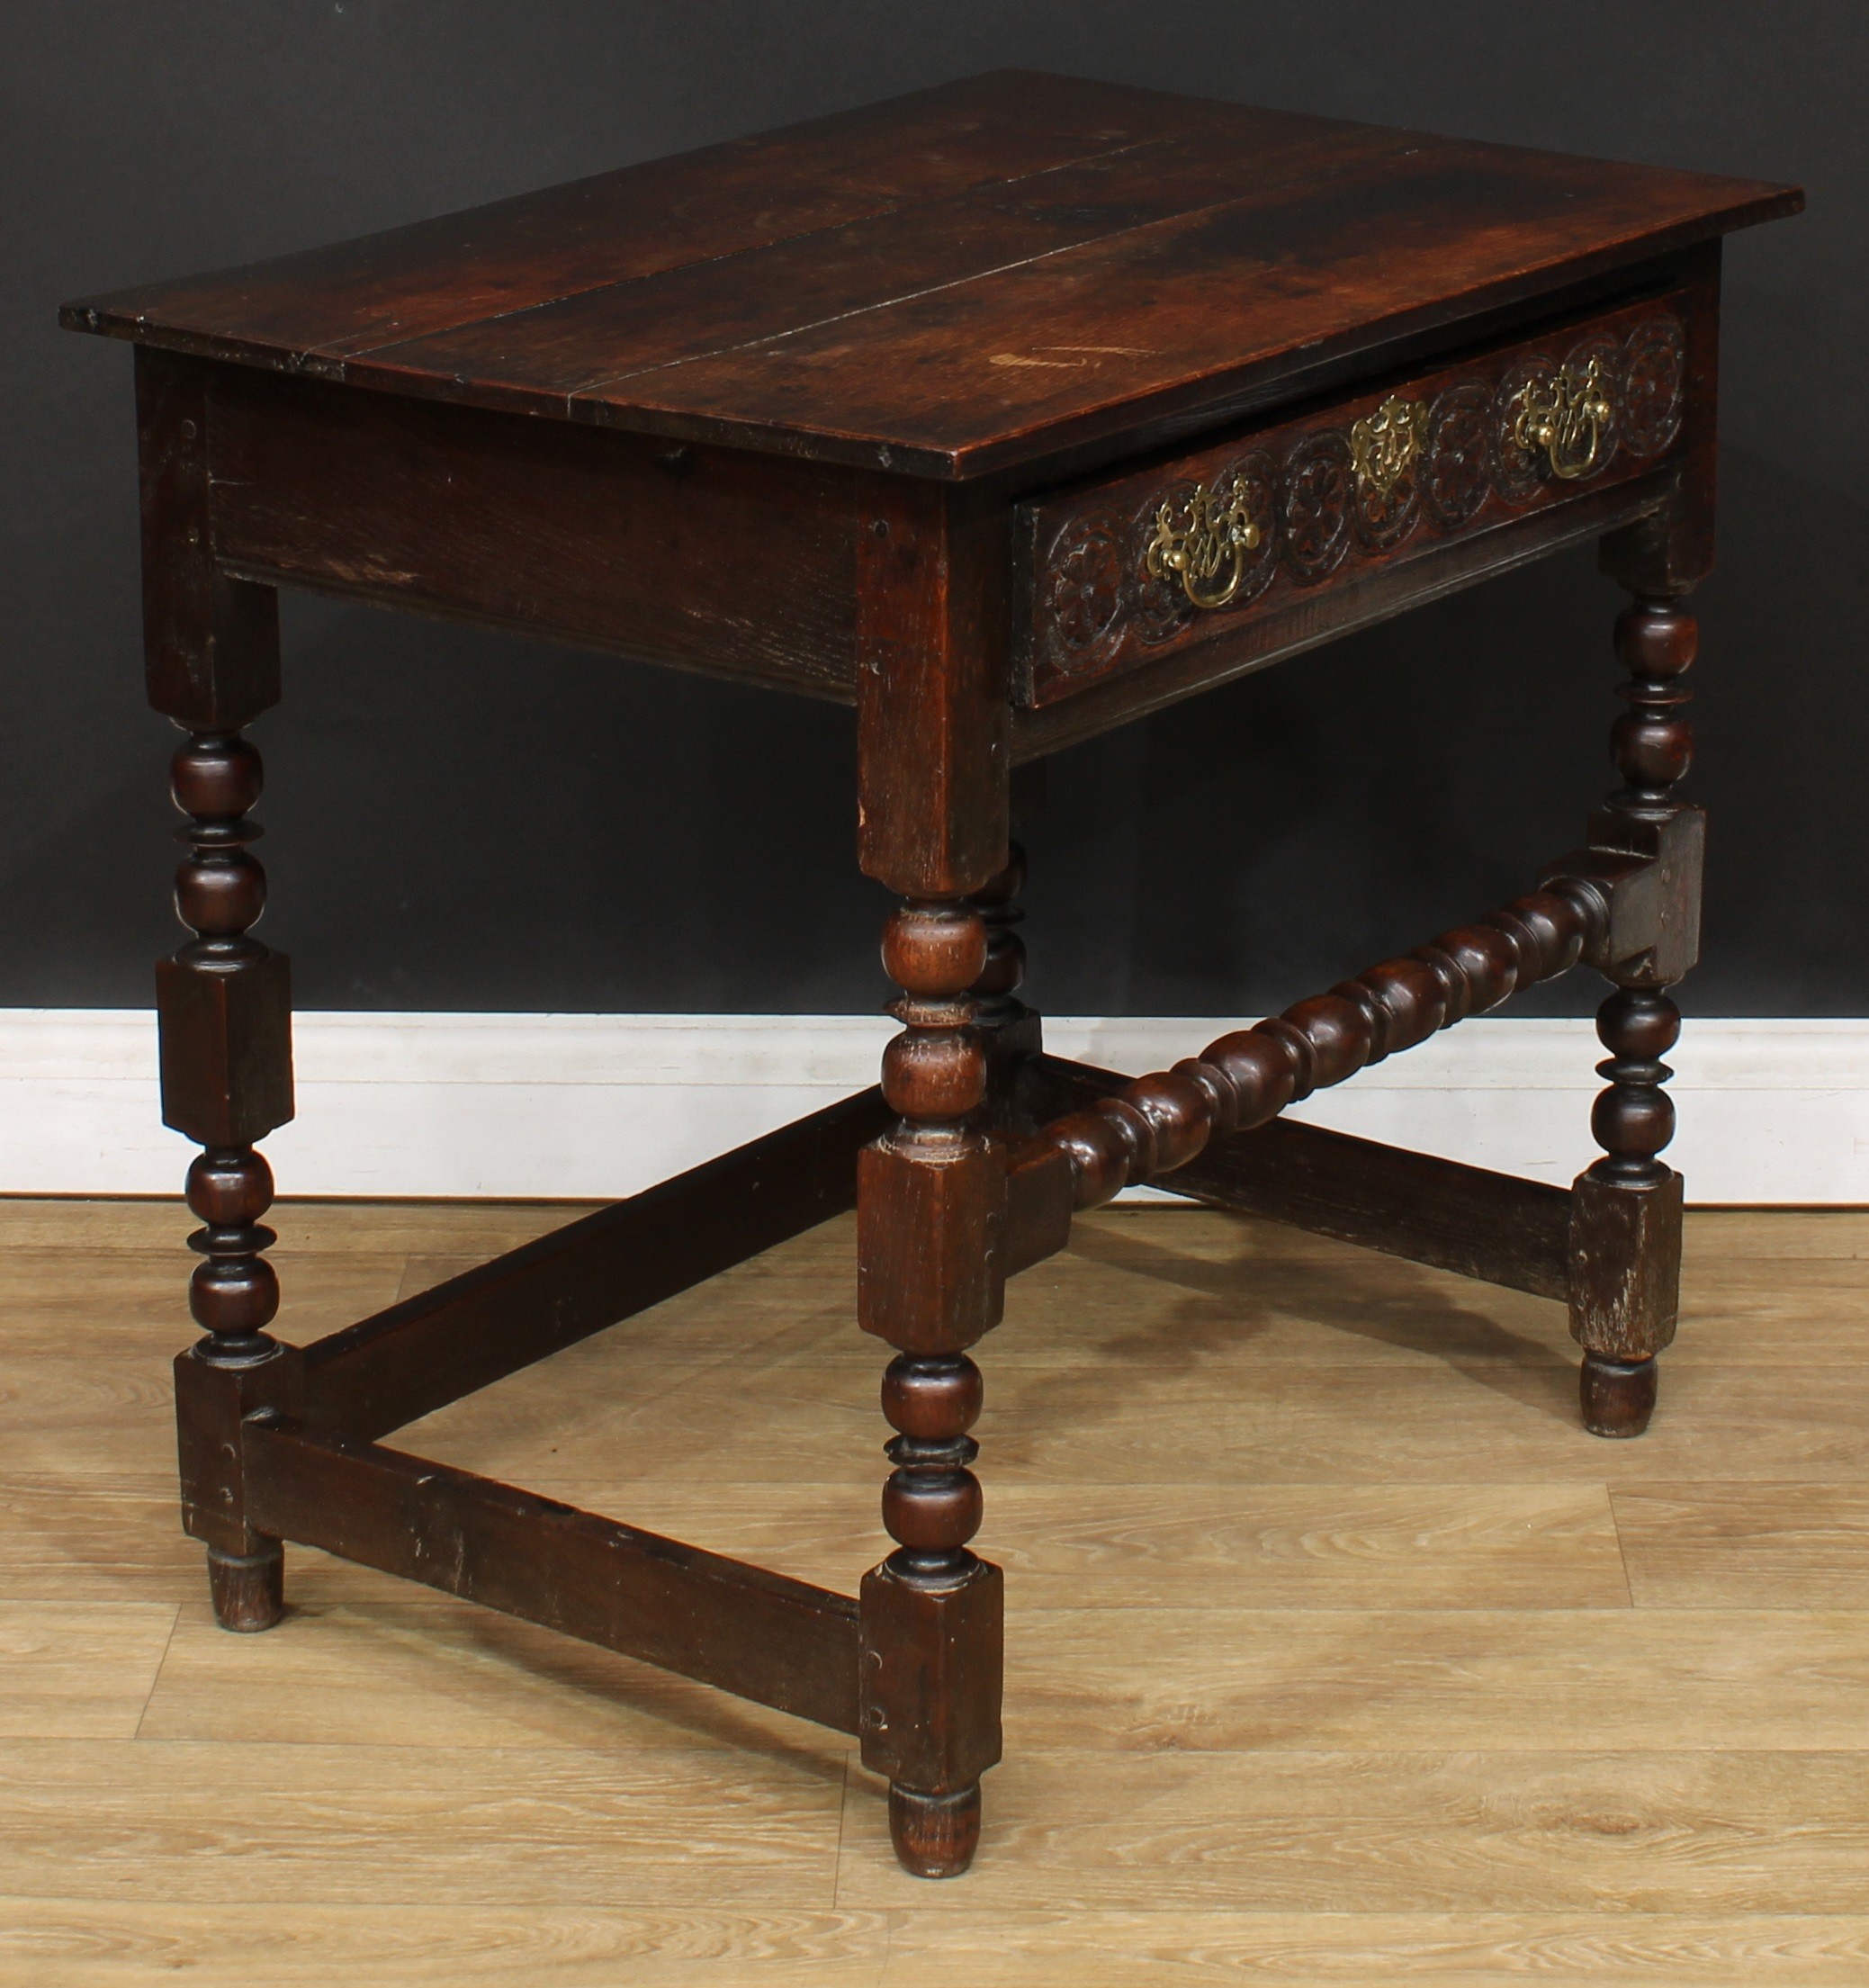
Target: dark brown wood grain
column 766, row 1636
column 590, row 345
column 933, row 813
column 1625, row 1231
column 502, row 1316
column 225, row 1048
column 1011, row 1032
column 223, row 1001
column 1671, row 551
column 1201, row 1128
column 931, row 1188
column 1041, row 1189
column 733, row 564
column 211, row 642
column 1494, row 1226
column 638, row 222
column 215, row 1406
column 932, row 1676
column 1177, row 322
column 926, row 330
column 217, row 1402
column 1625, row 1266
column 932, row 782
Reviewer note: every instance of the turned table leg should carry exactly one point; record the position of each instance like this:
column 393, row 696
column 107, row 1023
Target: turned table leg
column 929, row 1208
column 930, row 1192
column 223, row 1006
column 1011, row 1032
column 1626, row 1209
column 223, row 1001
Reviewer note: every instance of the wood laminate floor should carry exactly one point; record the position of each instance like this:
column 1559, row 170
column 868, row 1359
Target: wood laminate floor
column 1337, row 1652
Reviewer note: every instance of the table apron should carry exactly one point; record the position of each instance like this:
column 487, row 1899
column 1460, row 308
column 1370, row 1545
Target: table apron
column 713, row 560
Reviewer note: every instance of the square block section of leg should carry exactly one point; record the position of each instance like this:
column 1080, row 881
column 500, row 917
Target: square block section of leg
column 227, row 1055
column 930, row 1276
column 1625, row 1265
column 933, row 1667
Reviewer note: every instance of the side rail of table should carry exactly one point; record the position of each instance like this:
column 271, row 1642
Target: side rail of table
column 283, row 1447
column 1628, row 904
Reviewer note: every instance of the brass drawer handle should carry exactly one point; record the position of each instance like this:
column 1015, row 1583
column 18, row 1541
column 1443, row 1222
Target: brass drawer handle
column 1564, row 415
column 1209, row 550
column 1385, row 444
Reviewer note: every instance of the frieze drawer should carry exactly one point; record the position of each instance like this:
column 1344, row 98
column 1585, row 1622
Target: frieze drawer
column 1121, row 572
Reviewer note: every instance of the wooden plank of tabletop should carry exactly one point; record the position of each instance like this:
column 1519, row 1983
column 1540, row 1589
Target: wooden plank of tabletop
column 639, row 219
column 730, row 303
column 1185, row 314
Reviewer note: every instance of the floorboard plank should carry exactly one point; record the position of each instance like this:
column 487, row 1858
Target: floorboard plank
column 79, row 1671
column 1460, row 1831
column 1234, row 1680
column 407, row 1668
column 229, row 1821
column 75, row 1943
column 1723, row 1545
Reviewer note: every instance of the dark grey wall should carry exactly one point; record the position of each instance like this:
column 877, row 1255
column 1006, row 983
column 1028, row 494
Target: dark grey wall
column 458, row 820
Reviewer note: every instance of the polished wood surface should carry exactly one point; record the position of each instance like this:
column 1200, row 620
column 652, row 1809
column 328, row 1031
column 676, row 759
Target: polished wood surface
column 696, row 557
column 989, row 273
column 1336, row 1651
column 1626, row 1218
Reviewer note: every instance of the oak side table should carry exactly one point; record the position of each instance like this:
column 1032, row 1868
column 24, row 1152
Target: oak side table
column 1008, row 412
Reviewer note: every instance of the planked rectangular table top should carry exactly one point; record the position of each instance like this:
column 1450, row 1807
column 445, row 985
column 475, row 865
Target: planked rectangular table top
column 963, row 280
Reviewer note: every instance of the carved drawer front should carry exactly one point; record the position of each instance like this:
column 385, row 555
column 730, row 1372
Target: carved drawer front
column 1125, row 570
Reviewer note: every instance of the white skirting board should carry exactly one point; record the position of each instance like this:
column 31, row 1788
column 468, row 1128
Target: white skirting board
column 602, row 1105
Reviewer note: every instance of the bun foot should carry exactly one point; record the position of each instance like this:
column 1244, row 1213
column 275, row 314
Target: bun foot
column 1618, row 1395
column 248, row 1589
column 935, row 1835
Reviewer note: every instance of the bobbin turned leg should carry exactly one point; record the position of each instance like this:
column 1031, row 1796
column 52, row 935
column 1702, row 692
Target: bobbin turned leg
column 223, row 1006
column 931, row 716
column 928, row 1204
column 1626, row 1209
column 223, row 1002
column 1011, row 1032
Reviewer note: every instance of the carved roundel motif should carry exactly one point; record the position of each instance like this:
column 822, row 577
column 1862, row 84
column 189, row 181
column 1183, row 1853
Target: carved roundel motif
column 1607, row 353
column 1457, row 472
column 1160, row 603
column 1654, row 370
column 1558, row 423
column 1259, row 474
column 1083, row 593
column 1384, row 518
column 1521, row 473
column 1318, row 495
column 1161, row 606
column 1114, row 582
